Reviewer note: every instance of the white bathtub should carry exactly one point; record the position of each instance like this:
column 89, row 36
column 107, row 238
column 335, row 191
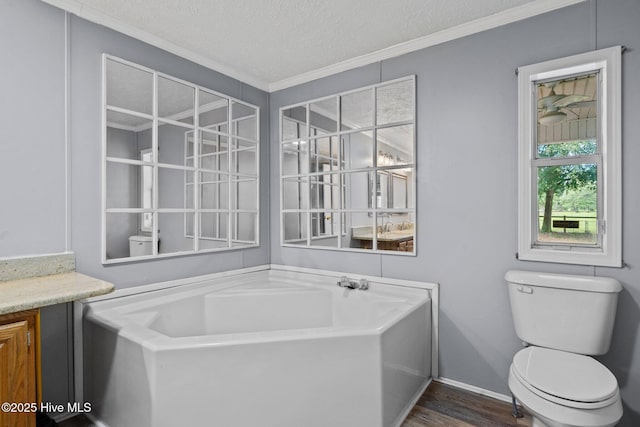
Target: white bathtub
column 268, row 348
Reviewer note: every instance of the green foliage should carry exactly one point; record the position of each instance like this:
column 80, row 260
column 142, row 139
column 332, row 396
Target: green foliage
column 566, row 177
column 575, row 183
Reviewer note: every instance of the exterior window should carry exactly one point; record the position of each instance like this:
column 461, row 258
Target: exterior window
column 569, row 169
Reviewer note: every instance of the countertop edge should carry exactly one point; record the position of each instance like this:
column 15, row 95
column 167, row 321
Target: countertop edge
column 38, row 292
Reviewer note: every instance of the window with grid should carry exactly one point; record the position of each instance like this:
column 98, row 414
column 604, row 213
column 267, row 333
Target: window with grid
column 569, row 170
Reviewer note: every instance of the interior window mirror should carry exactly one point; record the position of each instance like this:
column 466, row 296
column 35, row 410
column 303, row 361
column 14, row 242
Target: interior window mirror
column 180, row 166
column 347, row 170
column 569, row 166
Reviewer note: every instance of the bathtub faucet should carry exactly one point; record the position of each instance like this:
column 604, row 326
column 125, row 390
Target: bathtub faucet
column 345, row 282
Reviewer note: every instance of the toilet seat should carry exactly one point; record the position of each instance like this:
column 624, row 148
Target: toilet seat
column 568, row 379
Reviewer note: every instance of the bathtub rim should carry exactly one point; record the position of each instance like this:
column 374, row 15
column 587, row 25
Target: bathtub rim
column 78, row 306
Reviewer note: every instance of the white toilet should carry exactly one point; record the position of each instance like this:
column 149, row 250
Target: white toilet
column 563, row 319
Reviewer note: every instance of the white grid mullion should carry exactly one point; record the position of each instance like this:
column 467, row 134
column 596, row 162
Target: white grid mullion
column 154, row 150
column 374, row 183
column 196, row 176
column 308, row 149
column 104, row 157
column 338, row 136
column 230, row 142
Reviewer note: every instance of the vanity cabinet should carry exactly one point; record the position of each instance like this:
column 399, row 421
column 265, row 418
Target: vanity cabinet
column 18, row 347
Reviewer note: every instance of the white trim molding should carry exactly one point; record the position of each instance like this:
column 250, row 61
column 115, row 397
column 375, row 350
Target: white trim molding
column 608, row 251
column 90, row 14
column 508, row 16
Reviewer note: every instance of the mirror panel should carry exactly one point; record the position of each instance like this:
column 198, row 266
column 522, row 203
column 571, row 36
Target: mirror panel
column 294, row 228
column 213, row 229
column 125, row 189
column 243, row 228
column 214, row 190
column 295, row 158
column 175, row 100
column 323, row 116
column 245, row 121
column 360, row 226
column 325, row 154
column 399, row 190
column 213, row 111
column 395, row 145
column 121, row 226
column 171, row 236
column 170, row 188
column 356, row 110
column 172, row 142
column 129, row 87
column 351, row 186
column 182, row 180
column 244, row 157
column 357, row 150
column 325, row 229
column 244, row 194
column 294, row 123
column 394, row 103
column 296, row 193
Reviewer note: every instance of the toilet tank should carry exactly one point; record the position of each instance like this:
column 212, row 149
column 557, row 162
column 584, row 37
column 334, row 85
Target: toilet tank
column 563, row 312
column 140, row 246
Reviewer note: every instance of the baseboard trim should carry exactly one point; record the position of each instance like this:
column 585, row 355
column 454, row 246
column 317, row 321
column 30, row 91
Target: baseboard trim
column 474, row 389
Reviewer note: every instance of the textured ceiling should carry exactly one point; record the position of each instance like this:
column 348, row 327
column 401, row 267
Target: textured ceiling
column 271, row 41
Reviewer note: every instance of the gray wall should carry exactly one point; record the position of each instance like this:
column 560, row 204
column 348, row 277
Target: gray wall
column 467, row 174
column 32, row 146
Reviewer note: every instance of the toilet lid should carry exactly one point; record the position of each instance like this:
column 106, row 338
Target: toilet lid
column 565, row 375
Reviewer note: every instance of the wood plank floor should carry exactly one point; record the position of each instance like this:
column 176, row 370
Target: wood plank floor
column 439, row 405
column 444, row 405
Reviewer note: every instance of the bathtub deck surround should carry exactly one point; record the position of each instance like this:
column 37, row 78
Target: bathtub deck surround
column 293, row 345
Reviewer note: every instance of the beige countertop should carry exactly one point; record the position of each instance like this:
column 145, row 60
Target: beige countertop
column 36, row 292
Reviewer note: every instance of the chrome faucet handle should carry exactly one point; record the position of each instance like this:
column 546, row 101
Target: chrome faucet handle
column 344, row 282
column 364, row 284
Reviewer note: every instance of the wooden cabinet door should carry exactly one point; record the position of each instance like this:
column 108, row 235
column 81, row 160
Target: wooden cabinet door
column 17, row 368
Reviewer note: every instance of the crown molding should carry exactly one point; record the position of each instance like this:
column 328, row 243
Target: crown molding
column 90, row 14
column 508, row 16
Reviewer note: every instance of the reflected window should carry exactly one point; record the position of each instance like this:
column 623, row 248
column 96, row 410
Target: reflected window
column 348, row 171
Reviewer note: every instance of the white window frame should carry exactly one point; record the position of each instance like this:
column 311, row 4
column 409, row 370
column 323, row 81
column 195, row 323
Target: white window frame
column 609, row 252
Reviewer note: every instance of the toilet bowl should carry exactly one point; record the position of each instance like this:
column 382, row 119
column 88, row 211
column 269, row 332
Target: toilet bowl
column 564, row 389
column 563, row 319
